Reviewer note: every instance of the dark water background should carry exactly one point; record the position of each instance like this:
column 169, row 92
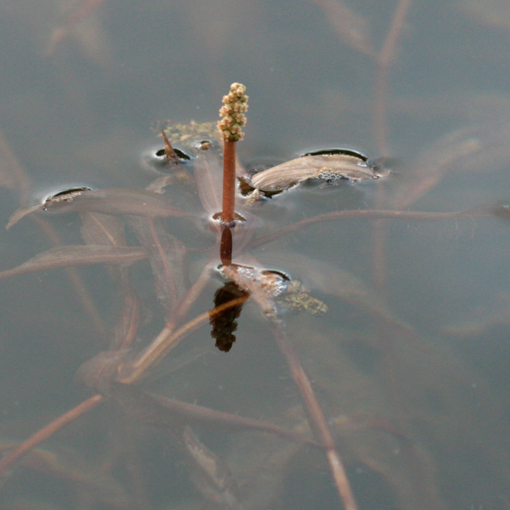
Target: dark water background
column 421, row 417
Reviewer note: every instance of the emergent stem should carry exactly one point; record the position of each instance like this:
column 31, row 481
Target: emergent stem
column 229, row 182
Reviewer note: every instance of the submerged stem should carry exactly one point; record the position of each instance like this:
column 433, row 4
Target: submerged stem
column 316, row 417
column 41, row 435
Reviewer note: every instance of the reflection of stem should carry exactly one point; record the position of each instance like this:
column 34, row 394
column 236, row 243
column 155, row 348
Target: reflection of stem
column 229, row 181
column 316, row 418
column 41, row 435
column 226, row 246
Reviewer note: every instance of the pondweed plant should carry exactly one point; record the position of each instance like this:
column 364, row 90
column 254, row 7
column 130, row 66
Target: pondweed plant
column 119, row 373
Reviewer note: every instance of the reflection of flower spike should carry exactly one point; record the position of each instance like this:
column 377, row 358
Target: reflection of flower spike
column 232, row 113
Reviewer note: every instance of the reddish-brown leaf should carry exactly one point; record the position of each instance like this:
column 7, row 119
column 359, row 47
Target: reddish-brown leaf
column 79, row 255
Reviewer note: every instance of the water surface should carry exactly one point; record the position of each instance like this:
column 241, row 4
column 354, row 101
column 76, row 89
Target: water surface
column 410, row 361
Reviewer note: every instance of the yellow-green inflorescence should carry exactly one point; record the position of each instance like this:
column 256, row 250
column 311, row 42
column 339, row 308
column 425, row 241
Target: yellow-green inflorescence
column 232, row 113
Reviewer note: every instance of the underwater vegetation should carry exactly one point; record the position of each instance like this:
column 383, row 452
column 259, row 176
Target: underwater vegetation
column 282, row 334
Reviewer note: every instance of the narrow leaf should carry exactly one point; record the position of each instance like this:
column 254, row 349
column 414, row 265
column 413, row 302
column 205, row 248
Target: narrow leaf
column 166, row 255
column 107, row 201
column 79, row 255
column 166, row 412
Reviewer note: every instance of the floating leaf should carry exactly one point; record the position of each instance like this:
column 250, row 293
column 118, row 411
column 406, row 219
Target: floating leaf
column 329, row 166
column 264, row 284
column 114, row 201
column 107, row 201
column 63, row 197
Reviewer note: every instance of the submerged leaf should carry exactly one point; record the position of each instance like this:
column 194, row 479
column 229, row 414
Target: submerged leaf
column 166, row 255
column 108, row 230
column 107, row 201
column 208, row 175
column 103, row 229
column 451, row 152
column 210, row 473
column 79, row 255
column 352, row 28
column 329, row 167
column 20, row 213
column 492, row 13
column 12, row 174
column 77, row 471
column 161, row 411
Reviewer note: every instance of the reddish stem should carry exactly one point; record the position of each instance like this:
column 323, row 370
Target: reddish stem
column 226, row 246
column 381, row 81
column 317, row 420
column 41, row 435
column 229, row 181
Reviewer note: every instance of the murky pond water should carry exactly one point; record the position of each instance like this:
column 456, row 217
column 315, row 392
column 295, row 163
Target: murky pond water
column 370, row 317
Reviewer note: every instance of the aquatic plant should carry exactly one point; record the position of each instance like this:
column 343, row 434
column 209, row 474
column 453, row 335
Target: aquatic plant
column 348, row 393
